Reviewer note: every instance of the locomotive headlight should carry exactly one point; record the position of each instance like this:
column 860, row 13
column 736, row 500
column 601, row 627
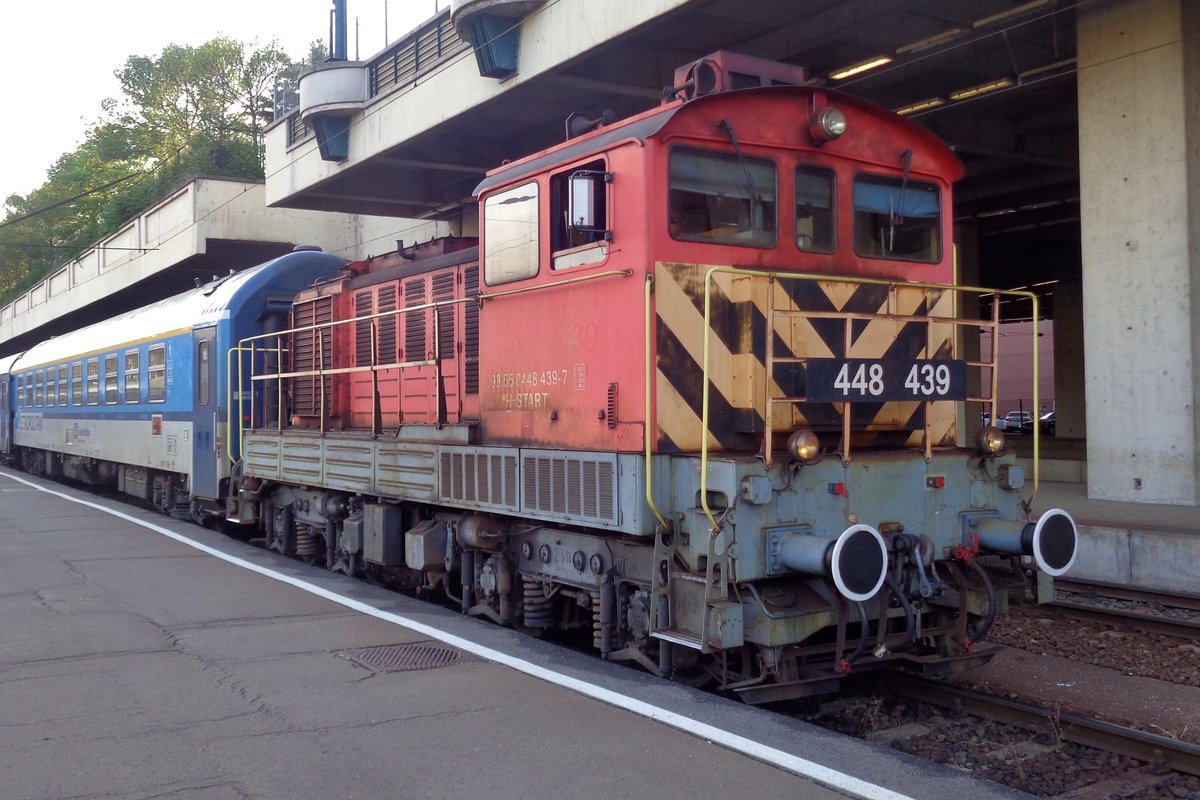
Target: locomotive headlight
column 803, row 445
column 827, row 125
column 989, row 440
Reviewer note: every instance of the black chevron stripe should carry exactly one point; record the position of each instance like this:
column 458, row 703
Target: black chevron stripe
column 685, row 375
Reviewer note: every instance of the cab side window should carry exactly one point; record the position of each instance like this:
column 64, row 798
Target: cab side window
column 510, row 234
column 579, row 227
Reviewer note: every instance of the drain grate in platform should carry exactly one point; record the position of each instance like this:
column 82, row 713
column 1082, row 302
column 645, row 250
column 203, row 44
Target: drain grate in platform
column 408, row 657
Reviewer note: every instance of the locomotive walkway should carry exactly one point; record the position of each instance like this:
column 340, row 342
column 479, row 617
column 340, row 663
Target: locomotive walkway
column 134, row 665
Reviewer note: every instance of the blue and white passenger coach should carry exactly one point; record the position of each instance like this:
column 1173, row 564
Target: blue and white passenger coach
column 135, row 402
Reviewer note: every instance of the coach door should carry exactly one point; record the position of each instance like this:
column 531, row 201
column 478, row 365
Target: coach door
column 5, row 417
column 206, row 430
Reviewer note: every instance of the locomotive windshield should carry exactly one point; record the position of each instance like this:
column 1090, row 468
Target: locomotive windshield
column 717, row 197
column 896, row 218
column 815, row 226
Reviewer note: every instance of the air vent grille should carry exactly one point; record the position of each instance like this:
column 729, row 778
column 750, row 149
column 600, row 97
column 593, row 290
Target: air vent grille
column 488, row 479
column 572, row 486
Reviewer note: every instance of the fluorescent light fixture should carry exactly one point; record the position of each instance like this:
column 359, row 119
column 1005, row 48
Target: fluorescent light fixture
column 924, row 105
column 862, row 66
column 1064, row 64
column 983, row 88
column 932, row 41
column 1024, row 8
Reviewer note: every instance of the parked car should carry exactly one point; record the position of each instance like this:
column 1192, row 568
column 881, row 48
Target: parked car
column 1018, row 421
column 1046, row 423
column 986, row 419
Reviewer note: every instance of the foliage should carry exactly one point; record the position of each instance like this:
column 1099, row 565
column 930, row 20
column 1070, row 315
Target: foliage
column 188, row 112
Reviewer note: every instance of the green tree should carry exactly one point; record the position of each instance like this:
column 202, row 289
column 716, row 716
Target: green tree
column 190, row 111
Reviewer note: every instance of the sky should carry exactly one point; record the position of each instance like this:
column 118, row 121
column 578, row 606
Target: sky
column 60, row 56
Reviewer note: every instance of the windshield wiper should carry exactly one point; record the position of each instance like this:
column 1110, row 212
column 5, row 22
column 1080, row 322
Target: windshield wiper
column 896, row 216
column 755, row 197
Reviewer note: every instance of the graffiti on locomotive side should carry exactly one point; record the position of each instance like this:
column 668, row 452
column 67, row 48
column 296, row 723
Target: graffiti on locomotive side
column 524, row 388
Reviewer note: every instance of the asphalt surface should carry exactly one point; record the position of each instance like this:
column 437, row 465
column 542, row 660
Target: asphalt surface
column 134, row 665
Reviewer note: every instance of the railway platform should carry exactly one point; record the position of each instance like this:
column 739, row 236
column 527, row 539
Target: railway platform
column 1147, row 545
column 144, row 657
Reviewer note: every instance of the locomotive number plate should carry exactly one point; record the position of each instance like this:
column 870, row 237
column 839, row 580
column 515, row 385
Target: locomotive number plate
column 860, row 380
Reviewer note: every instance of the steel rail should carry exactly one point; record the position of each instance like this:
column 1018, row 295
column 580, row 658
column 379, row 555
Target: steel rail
column 1149, row 623
column 1061, row 725
column 1120, row 592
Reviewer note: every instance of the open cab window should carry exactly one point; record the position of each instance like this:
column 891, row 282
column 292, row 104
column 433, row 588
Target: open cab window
column 895, row 218
column 722, row 198
column 579, row 216
column 510, row 234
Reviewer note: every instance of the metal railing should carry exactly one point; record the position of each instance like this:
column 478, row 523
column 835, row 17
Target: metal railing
column 259, row 360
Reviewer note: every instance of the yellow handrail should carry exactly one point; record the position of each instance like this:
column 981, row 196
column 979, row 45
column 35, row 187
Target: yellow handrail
column 775, row 276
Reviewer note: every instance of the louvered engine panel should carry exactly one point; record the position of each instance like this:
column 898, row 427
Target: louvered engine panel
column 311, row 350
column 480, row 478
column 573, row 486
column 471, row 333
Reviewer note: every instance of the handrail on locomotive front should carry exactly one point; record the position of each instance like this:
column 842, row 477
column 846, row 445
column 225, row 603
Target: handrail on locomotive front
column 849, row 317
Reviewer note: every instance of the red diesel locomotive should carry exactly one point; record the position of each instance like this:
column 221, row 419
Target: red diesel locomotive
column 698, row 389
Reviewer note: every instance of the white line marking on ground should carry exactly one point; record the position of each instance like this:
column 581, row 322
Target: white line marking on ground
column 770, row 755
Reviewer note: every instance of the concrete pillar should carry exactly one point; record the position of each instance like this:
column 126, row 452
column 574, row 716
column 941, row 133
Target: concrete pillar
column 1139, row 94
column 1069, row 380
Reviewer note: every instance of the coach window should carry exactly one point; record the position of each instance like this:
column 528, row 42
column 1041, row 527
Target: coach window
column 510, row 235
column 156, row 374
column 37, row 391
column 20, row 391
column 203, row 390
column 897, row 218
column 51, row 392
column 62, row 386
column 93, row 382
column 579, row 232
column 721, row 198
column 133, row 385
column 77, row 383
column 814, row 210
column 112, row 392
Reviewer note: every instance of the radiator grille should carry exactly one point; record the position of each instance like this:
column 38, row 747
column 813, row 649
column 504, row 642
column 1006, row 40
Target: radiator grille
column 482, row 478
column 577, row 487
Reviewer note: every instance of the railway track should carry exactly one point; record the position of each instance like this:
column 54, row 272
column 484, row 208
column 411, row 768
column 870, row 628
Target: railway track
column 1061, row 725
column 1146, row 621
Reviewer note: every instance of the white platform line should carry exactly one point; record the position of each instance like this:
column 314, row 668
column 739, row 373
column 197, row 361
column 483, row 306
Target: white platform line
column 770, row 755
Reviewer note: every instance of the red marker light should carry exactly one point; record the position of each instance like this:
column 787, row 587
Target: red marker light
column 937, row 482
column 838, row 488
